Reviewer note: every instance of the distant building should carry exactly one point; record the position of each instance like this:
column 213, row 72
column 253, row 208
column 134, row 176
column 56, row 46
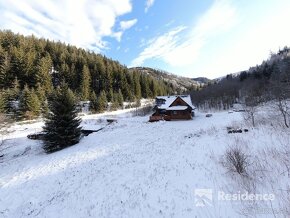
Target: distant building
column 177, row 107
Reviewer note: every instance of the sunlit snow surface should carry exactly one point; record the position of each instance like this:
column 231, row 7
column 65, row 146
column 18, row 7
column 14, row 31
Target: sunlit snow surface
column 132, row 168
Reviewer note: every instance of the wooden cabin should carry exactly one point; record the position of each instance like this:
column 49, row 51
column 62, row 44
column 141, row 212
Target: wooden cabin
column 177, row 107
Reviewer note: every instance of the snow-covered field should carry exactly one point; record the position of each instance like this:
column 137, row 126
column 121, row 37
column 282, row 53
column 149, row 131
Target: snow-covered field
column 133, row 168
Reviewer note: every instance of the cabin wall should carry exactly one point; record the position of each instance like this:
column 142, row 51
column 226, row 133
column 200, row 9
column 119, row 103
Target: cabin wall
column 179, row 115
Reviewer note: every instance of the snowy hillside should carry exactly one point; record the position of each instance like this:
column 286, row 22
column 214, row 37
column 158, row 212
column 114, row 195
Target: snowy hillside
column 133, row 168
column 183, row 84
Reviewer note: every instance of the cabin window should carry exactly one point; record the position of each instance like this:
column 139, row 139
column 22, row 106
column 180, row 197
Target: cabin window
column 174, row 112
column 162, row 112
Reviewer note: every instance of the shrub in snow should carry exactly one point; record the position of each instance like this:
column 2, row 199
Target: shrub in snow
column 236, row 160
column 62, row 124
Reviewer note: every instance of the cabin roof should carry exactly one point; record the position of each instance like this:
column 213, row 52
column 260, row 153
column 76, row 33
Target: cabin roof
column 170, row 99
column 177, row 108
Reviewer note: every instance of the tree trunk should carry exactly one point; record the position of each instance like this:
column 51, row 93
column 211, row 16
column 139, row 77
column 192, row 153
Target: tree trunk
column 253, row 119
column 285, row 120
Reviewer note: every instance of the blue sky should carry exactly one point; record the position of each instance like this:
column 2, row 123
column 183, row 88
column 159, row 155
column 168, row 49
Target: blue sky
column 191, row 38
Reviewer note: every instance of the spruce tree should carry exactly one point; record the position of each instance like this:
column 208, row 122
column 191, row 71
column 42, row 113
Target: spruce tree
column 30, row 59
column 137, row 86
column 18, row 65
column 85, row 84
column 120, row 99
column 3, row 67
column 153, row 88
column 15, row 91
column 29, row 104
column 40, row 92
column 144, row 86
column 11, row 99
column 23, row 102
column 62, row 125
column 34, row 105
column 109, row 81
column 42, row 75
column 110, row 95
column 114, row 102
column 7, row 98
column 93, row 102
column 102, row 102
column 2, row 102
column 124, row 86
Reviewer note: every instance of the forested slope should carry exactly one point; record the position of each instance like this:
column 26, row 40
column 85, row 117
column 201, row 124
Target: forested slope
column 267, row 81
column 32, row 68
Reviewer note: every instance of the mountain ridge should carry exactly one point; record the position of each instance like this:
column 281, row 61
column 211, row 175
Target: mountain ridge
column 180, row 83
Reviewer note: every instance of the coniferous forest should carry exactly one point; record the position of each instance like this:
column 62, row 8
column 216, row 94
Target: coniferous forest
column 31, row 69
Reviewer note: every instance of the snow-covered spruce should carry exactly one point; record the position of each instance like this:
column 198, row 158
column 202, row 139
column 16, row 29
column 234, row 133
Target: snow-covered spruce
column 62, row 123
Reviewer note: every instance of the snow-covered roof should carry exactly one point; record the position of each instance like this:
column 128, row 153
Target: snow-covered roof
column 187, row 99
column 177, row 108
column 170, row 99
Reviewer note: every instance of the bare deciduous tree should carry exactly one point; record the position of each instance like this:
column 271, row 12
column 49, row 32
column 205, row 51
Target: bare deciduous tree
column 280, row 91
column 251, row 109
column 253, row 98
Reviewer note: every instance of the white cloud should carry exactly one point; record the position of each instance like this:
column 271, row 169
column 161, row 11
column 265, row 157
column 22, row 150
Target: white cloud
column 218, row 19
column 159, row 46
column 83, row 23
column 225, row 39
column 117, row 35
column 127, row 24
column 149, row 4
column 124, row 25
column 179, row 49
